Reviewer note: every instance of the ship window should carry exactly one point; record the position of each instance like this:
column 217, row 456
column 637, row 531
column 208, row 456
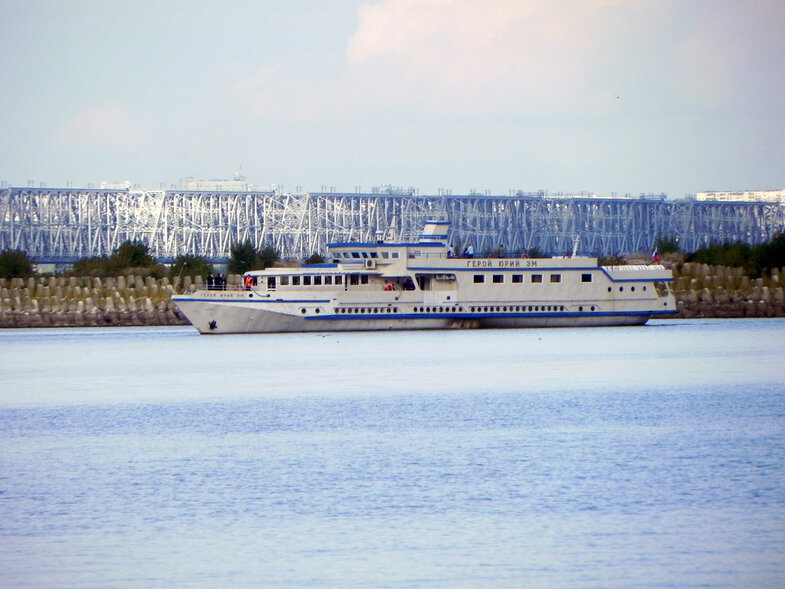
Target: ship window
column 555, row 277
column 355, row 254
column 385, row 255
column 328, row 279
column 364, row 279
column 271, row 282
column 479, row 278
column 284, row 280
column 498, row 278
column 585, row 277
column 295, row 281
column 354, row 279
column 306, row 281
column 537, row 278
column 338, row 279
column 317, row 280
column 374, row 255
column 517, row 278
column 365, row 254
column 395, row 255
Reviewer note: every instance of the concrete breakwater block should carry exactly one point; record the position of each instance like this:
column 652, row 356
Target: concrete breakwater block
column 57, row 301
column 717, row 291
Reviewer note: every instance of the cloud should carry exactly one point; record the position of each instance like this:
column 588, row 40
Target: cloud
column 468, row 56
column 456, row 57
column 533, row 58
column 104, row 126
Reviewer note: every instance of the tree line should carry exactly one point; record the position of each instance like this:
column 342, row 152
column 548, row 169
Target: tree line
column 136, row 256
column 244, row 256
column 756, row 260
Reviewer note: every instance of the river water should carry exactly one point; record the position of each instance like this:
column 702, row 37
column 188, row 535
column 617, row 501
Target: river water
column 632, row 457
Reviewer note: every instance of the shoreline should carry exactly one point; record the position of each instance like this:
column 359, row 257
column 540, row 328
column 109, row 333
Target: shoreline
column 701, row 291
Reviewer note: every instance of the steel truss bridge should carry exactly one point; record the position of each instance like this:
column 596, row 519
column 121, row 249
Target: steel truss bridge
column 62, row 225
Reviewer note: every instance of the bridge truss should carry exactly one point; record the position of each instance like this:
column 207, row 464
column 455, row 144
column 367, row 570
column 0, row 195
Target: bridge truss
column 62, row 225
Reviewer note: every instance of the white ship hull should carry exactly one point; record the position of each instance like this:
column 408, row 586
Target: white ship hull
column 235, row 317
column 392, row 286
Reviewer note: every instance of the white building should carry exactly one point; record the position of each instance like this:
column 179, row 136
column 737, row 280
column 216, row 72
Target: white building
column 238, row 184
column 116, row 185
column 745, row 196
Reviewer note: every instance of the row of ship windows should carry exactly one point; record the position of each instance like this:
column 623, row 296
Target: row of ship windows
column 317, row 280
column 518, row 278
column 358, row 255
column 538, row 279
column 357, row 279
column 478, row 309
column 363, row 310
column 495, row 309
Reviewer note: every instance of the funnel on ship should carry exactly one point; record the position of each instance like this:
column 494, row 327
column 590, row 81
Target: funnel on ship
column 435, row 232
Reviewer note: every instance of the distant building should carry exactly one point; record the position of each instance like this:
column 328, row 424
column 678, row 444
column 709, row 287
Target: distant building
column 116, row 185
column 237, row 184
column 745, row 196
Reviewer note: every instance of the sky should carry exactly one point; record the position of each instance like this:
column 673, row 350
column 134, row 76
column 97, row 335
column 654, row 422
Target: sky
column 566, row 96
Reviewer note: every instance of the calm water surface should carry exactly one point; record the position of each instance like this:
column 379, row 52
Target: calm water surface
column 623, row 457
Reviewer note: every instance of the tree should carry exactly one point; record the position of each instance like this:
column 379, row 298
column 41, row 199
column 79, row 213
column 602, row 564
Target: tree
column 189, row 265
column 268, row 256
column 244, row 257
column 315, row 259
column 756, row 260
column 95, row 266
column 132, row 254
column 770, row 255
column 666, row 244
column 241, row 257
column 129, row 254
column 15, row 264
column 735, row 254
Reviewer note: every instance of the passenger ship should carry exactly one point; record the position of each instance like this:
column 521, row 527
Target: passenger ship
column 422, row 285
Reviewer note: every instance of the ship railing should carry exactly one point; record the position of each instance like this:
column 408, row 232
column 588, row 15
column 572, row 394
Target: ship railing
column 206, row 287
column 636, row 267
column 487, row 255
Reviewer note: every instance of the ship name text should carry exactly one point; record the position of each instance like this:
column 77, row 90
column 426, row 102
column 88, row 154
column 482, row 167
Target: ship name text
column 485, row 263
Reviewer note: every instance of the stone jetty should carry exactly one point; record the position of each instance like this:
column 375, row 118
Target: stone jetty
column 68, row 301
column 720, row 291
